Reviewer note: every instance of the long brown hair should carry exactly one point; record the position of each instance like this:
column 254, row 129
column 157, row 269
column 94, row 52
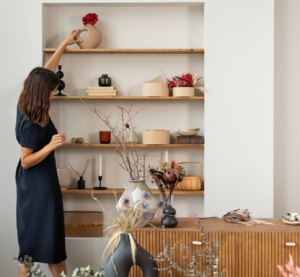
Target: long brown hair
column 34, row 100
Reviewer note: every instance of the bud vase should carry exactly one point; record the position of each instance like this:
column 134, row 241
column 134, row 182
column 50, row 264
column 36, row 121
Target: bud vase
column 92, row 38
column 138, row 195
column 169, row 220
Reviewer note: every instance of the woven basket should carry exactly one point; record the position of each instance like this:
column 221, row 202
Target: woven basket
column 190, row 182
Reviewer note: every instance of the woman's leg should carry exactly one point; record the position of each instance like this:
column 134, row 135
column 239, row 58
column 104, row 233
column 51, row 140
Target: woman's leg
column 57, row 269
column 23, row 271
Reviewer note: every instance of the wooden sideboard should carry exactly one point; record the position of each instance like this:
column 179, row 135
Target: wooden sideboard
column 244, row 251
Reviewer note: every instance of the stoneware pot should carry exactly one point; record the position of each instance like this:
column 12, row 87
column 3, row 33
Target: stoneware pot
column 183, row 91
column 118, row 264
column 64, row 177
column 92, row 38
column 169, row 220
column 134, row 192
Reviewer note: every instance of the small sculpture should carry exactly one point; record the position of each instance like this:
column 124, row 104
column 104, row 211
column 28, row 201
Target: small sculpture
column 61, row 84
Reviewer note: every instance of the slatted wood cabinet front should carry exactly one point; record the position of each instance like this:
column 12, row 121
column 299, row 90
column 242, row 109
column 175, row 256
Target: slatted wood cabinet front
column 244, row 251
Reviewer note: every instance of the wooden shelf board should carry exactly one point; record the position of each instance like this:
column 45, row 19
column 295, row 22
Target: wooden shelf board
column 112, row 145
column 120, row 191
column 84, row 97
column 128, row 51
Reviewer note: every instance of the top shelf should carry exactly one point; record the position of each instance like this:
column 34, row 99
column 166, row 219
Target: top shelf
column 126, row 51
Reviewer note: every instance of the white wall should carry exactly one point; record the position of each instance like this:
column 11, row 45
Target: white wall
column 287, row 112
column 239, row 107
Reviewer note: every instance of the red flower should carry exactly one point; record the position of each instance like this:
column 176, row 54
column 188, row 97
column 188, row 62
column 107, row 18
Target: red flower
column 171, row 84
column 90, row 18
column 187, row 79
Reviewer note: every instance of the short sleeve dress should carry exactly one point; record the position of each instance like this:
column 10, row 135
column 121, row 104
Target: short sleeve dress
column 40, row 219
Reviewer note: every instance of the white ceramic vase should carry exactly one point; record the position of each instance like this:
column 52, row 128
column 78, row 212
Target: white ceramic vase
column 64, row 177
column 134, row 194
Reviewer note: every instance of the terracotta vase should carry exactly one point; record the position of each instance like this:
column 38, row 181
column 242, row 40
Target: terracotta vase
column 134, row 192
column 119, row 263
column 92, row 38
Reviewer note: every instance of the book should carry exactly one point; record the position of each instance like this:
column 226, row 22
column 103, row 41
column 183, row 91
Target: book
column 103, row 94
column 101, row 91
column 101, row 88
column 189, row 140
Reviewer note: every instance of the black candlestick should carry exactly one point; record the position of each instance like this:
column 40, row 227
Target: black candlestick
column 61, row 84
column 100, row 187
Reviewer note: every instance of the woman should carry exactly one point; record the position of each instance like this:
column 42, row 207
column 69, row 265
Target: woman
column 40, row 221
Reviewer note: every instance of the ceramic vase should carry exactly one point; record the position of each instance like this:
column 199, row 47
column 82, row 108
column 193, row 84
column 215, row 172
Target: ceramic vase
column 92, row 37
column 134, row 193
column 64, row 177
column 183, row 91
column 118, row 264
column 169, row 220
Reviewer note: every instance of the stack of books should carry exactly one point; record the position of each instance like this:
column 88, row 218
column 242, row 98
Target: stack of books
column 190, row 140
column 101, row 91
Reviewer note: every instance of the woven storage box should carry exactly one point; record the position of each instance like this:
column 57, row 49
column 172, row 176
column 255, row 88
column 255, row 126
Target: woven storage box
column 156, row 137
column 183, row 91
column 190, row 182
column 80, row 224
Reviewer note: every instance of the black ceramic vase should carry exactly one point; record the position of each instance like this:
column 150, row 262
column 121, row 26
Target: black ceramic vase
column 169, row 220
column 81, row 183
column 118, row 263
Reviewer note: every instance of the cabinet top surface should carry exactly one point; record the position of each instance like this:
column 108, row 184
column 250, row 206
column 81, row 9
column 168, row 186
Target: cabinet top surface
column 218, row 224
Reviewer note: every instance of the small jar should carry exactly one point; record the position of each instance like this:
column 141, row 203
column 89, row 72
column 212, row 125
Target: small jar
column 104, row 136
column 104, row 81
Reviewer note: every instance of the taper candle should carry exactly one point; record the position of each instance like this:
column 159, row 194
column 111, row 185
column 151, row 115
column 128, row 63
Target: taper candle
column 166, row 155
column 100, row 165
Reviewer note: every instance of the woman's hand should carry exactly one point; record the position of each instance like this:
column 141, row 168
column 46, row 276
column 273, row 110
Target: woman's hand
column 70, row 39
column 57, row 140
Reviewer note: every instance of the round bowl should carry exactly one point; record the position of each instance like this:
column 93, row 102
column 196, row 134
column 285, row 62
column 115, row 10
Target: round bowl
column 187, row 133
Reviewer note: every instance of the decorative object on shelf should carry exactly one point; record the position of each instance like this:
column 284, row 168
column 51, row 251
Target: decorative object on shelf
column 169, row 220
column 156, row 136
column 104, row 81
column 101, row 91
column 81, row 182
column 167, row 178
column 61, row 83
column 183, row 85
column 291, row 218
column 190, row 182
column 132, row 137
column 64, row 177
column 77, row 140
column 203, row 262
column 189, row 139
column 127, row 252
column 292, row 270
column 136, row 190
column 155, row 87
column 242, row 217
column 100, row 175
column 190, row 132
column 105, row 136
column 93, row 36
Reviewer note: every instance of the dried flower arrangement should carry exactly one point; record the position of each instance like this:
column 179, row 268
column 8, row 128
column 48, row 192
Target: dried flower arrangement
column 185, row 80
column 132, row 161
column 242, row 217
column 90, row 18
column 292, row 270
column 166, row 178
column 192, row 267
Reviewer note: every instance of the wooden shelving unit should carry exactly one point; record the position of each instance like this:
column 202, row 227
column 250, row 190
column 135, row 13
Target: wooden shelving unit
column 112, row 145
column 120, row 191
column 127, row 51
column 84, row 97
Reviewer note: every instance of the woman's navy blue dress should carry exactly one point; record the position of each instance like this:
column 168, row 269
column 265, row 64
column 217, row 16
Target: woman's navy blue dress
column 40, row 218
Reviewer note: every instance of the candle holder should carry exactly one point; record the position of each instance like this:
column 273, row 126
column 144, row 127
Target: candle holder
column 100, row 187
